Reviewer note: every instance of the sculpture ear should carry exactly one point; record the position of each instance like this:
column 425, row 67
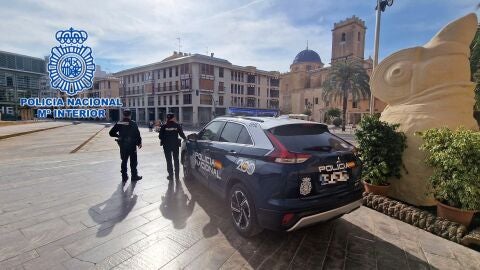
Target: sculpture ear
column 460, row 31
column 391, row 79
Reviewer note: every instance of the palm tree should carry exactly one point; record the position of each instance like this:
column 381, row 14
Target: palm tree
column 346, row 78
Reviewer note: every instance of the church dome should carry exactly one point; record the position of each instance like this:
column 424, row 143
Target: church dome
column 307, row 56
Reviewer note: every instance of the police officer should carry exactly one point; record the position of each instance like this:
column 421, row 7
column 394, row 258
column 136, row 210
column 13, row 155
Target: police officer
column 169, row 139
column 128, row 138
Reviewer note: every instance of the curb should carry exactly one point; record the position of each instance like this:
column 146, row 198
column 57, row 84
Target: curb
column 85, row 142
column 29, row 132
column 424, row 220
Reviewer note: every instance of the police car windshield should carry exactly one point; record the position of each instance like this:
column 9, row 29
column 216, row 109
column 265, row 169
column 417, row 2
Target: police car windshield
column 309, row 137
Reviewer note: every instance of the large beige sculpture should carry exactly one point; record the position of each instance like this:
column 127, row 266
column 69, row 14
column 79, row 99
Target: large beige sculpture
column 427, row 87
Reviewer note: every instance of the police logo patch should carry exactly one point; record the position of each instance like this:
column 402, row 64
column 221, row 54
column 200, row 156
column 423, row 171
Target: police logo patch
column 71, row 67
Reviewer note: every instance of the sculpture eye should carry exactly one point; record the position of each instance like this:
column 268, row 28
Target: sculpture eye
column 399, row 73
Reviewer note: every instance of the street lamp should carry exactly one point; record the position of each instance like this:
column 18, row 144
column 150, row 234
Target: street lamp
column 381, row 5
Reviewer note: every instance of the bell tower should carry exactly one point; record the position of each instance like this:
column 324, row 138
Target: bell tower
column 348, row 39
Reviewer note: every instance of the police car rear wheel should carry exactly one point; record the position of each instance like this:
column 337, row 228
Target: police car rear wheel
column 243, row 211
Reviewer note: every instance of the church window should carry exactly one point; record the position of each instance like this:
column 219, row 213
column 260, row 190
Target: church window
column 344, row 37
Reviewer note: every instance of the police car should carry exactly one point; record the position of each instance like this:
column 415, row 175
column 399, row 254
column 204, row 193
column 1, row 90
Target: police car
column 274, row 173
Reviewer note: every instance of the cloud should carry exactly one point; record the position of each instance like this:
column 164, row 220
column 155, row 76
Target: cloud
column 264, row 33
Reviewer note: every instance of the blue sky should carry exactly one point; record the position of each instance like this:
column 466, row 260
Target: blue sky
column 263, row 33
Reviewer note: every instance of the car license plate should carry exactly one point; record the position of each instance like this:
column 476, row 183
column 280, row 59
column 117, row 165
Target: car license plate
column 334, row 177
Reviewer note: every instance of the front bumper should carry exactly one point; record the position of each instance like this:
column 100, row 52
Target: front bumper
column 324, row 216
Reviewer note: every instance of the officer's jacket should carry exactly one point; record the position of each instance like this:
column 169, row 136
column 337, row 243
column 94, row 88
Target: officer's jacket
column 169, row 134
column 127, row 133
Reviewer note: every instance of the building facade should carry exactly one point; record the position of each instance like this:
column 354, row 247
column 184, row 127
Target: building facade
column 105, row 85
column 21, row 76
column 196, row 88
column 301, row 87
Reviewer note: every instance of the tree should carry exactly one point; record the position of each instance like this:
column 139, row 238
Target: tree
column 346, row 78
column 333, row 112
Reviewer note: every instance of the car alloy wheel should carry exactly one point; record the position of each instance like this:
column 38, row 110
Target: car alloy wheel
column 240, row 210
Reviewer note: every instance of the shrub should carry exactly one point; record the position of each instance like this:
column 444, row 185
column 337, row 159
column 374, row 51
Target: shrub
column 333, row 112
column 380, row 147
column 337, row 121
column 455, row 158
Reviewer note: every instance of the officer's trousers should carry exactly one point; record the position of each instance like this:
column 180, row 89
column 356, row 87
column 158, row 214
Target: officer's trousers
column 169, row 152
column 125, row 154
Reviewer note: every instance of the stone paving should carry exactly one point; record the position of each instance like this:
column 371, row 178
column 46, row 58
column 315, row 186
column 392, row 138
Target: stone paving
column 15, row 129
column 67, row 211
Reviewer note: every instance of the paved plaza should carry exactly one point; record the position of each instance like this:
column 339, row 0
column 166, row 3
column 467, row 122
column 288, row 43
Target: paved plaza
column 63, row 210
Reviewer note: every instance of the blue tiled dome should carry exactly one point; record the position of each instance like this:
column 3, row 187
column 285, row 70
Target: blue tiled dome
column 307, row 56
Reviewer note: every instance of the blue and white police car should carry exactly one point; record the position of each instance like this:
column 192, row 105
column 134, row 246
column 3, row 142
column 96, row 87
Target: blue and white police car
column 274, row 173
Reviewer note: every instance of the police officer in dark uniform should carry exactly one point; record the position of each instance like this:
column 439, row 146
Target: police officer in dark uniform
column 168, row 135
column 128, row 138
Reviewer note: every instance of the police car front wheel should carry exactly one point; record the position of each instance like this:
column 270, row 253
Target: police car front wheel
column 243, row 211
column 187, row 174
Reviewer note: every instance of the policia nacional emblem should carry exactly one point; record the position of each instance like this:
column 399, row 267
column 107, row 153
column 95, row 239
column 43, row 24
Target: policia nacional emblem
column 71, row 67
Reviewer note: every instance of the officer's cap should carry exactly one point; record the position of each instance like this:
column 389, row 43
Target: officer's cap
column 127, row 112
column 170, row 115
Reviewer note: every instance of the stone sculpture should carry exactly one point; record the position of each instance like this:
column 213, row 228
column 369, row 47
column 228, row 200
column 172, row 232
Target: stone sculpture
column 427, row 87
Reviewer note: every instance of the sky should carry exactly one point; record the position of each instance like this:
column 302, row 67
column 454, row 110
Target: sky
column 262, row 33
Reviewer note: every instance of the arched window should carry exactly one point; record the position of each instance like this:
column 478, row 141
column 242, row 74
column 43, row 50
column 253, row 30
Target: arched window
column 344, row 37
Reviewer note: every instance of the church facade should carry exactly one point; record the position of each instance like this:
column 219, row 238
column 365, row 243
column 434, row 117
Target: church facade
column 301, row 88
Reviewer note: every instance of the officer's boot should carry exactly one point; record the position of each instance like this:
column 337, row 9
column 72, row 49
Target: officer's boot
column 124, row 178
column 136, row 177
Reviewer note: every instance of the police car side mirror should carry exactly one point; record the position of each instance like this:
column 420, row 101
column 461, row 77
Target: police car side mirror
column 193, row 137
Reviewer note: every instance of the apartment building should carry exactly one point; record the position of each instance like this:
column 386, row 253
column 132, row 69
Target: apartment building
column 105, row 85
column 196, row 88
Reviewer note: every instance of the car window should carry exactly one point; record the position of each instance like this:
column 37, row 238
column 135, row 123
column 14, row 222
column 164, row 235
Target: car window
column 244, row 137
column 230, row 132
column 212, row 131
column 309, row 137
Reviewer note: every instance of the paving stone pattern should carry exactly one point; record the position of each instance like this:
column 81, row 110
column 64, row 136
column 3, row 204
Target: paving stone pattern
column 68, row 211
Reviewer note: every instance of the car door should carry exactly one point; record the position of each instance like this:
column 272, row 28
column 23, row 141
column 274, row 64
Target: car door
column 201, row 153
column 225, row 153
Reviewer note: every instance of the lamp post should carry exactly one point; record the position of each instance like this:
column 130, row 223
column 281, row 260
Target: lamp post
column 381, row 5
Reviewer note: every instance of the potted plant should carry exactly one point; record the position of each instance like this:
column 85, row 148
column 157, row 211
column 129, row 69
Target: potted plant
column 455, row 182
column 380, row 147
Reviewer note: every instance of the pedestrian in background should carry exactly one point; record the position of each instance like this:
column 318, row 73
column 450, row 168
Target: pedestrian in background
column 128, row 138
column 150, row 126
column 169, row 140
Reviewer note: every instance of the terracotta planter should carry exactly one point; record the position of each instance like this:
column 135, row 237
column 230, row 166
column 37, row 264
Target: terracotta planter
column 455, row 214
column 378, row 190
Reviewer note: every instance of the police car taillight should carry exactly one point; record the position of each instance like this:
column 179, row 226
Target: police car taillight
column 280, row 153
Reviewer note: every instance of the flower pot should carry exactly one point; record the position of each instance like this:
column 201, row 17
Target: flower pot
column 455, row 214
column 377, row 190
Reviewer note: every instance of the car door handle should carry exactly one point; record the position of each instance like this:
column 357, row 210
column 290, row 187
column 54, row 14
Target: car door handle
column 232, row 152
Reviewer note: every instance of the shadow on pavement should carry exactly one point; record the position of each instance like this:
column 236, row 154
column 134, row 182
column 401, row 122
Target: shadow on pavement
column 337, row 244
column 176, row 205
column 113, row 210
